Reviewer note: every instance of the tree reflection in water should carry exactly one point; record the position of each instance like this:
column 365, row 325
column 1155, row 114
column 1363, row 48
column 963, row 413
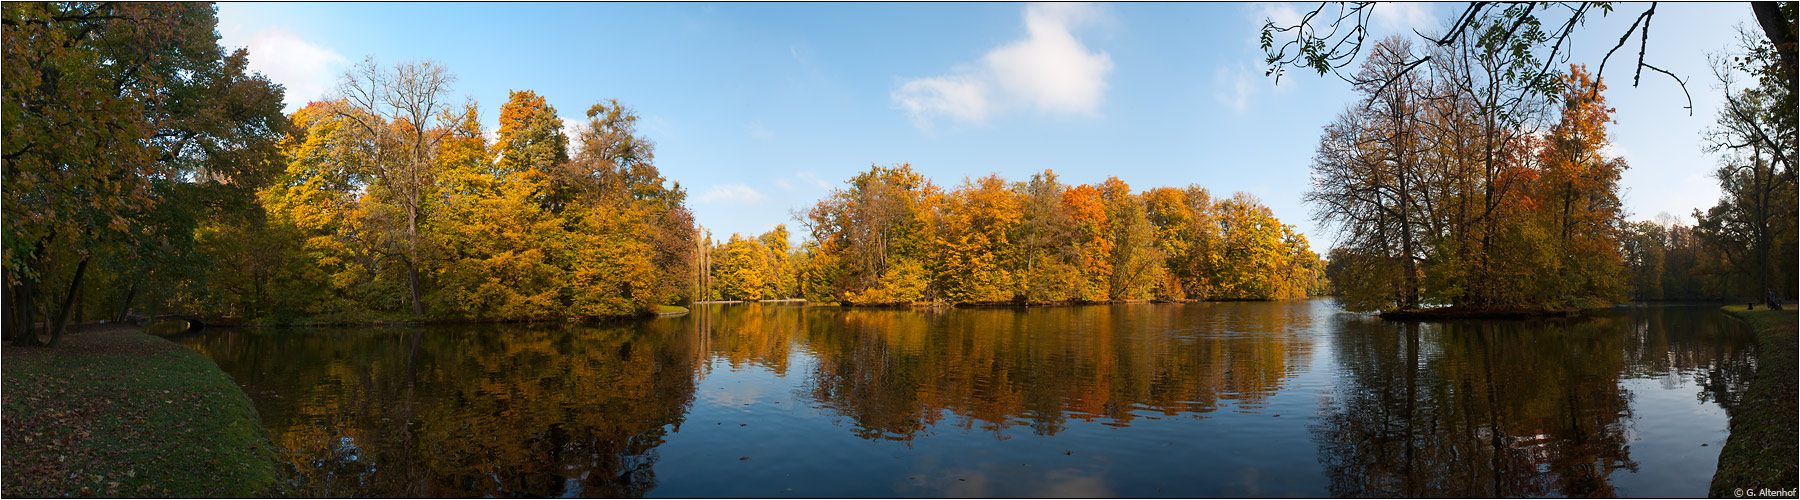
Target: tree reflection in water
column 465, row 412
column 1505, row 409
column 1502, row 409
column 898, row 372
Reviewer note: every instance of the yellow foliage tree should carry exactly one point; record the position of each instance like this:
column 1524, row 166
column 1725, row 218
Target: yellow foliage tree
column 978, row 260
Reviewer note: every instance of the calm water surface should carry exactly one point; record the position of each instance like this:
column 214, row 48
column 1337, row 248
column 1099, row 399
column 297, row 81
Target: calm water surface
column 1141, row 400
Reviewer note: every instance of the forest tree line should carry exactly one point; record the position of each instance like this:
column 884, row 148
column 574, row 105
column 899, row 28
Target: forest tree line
column 149, row 172
column 891, row 236
column 146, row 169
column 1456, row 182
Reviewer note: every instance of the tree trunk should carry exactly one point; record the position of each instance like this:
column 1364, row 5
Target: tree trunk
column 1780, row 34
column 62, row 313
column 412, row 259
column 17, row 312
column 125, row 310
column 25, row 329
column 9, row 322
column 412, row 281
column 80, row 308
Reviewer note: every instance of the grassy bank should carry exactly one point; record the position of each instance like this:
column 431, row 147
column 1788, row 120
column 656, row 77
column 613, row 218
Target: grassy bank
column 119, row 413
column 1761, row 452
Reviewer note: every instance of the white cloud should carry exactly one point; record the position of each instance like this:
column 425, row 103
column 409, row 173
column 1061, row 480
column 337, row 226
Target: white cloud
column 1052, row 69
column 573, row 129
column 1384, row 18
column 731, row 193
column 961, row 97
column 306, row 70
column 1233, row 87
column 805, row 178
column 1282, row 14
column 1402, row 17
column 812, row 178
column 1049, row 70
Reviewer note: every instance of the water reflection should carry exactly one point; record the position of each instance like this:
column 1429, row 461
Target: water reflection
column 461, row 412
column 1508, row 409
column 897, row 373
column 1149, row 393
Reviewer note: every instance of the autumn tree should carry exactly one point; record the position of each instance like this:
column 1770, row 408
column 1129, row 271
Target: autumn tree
column 398, row 115
column 1578, row 189
column 876, row 226
column 1367, row 173
column 1187, row 229
column 638, row 232
column 1446, row 190
column 494, row 242
column 530, row 137
column 1258, row 257
column 1137, row 264
column 778, row 264
column 313, row 206
column 1092, row 243
column 740, row 276
column 978, row 260
column 1043, row 238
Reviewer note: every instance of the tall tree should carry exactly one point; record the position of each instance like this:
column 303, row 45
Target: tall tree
column 778, row 272
column 874, row 225
column 1579, row 191
column 1137, row 264
column 399, row 113
column 1755, row 141
column 530, row 135
column 741, row 276
column 1045, row 232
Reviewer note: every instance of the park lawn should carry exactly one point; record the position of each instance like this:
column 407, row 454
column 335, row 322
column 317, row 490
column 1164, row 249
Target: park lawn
column 115, row 412
column 1761, row 452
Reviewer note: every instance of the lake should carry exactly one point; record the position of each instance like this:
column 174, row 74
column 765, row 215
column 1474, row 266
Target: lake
column 1268, row 399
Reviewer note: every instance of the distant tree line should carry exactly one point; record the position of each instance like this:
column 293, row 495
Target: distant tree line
column 891, row 236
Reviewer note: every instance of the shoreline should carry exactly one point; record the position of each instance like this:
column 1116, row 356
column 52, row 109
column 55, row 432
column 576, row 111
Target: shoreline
column 1760, row 451
column 659, row 312
column 1459, row 312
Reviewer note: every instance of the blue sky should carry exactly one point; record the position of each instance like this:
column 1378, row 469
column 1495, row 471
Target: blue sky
column 759, row 109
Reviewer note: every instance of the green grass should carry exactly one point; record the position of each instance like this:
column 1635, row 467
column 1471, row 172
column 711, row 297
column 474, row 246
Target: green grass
column 660, row 310
column 120, row 413
column 1761, row 452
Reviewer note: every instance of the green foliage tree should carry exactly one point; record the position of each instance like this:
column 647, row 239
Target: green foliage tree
column 124, row 123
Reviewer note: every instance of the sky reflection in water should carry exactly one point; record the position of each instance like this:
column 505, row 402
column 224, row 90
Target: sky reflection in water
column 1141, row 400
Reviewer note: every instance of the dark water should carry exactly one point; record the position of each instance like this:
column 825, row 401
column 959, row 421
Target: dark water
column 1145, row 400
